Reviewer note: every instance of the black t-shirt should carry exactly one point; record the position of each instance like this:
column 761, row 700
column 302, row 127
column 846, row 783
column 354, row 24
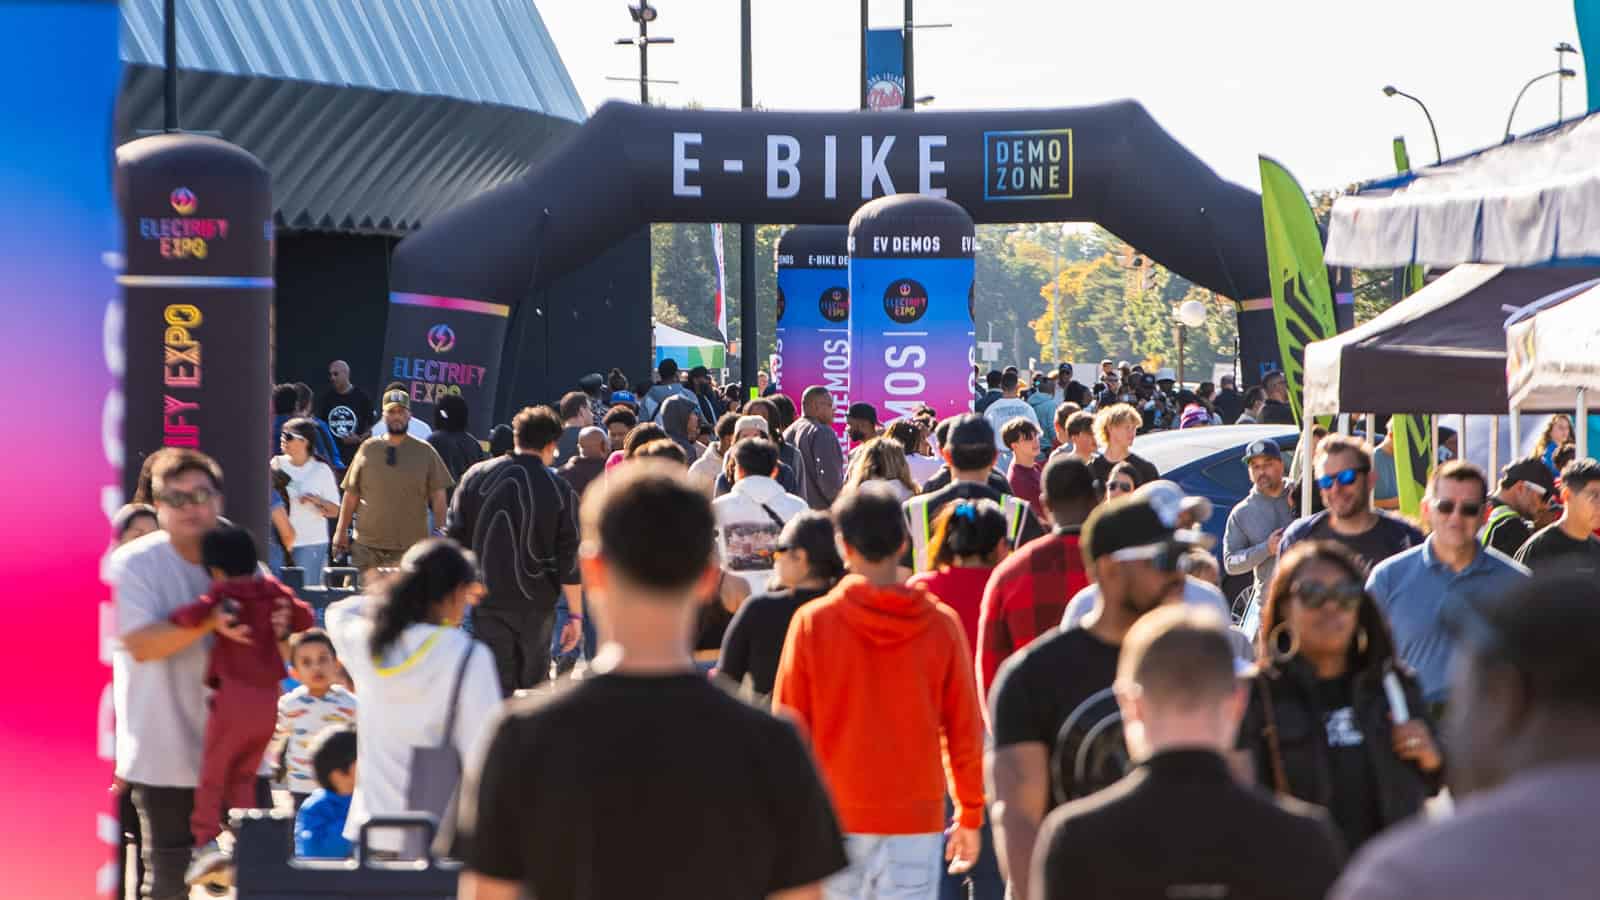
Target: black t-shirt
column 521, row 518
column 634, row 786
column 1354, row 796
column 348, row 415
column 754, row 639
column 1101, row 467
column 1551, row 550
column 1039, row 687
column 1277, row 413
column 1388, row 536
column 459, row 450
column 1506, row 533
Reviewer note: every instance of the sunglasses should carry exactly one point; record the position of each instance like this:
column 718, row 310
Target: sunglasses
column 1448, row 507
column 290, row 436
column 782, row 548
column 1315, row 595
column 1163, row 557
column 389, row 455
column 184, row 499
column 1344, row 478
column 1119, row 487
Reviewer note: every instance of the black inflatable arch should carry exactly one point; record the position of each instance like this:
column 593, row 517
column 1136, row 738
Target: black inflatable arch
column 629, row 166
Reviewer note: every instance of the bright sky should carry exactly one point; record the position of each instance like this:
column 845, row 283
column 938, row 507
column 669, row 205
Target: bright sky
column 1299, row 80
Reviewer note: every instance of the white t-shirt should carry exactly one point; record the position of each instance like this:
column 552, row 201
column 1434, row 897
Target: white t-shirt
column 1004, row 410
column 301, row 718
column 1195, row 591
column 923, row 468
column 160, row 704
column 313, row 478
column 746, row 533
column 404, row 700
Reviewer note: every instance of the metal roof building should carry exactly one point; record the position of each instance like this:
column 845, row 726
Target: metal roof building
column 371, row 115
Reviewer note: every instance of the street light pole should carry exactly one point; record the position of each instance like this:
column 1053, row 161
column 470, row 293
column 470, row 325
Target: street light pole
column 644, row 14
column 1562, row 49
column 908, row 100
column 747, row 232
column 1557, row 73
column 1390, row 90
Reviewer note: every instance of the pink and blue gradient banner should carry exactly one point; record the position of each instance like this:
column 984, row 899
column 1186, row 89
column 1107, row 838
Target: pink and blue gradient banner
column 813, row 333
column 58, row 237
column 438, row 345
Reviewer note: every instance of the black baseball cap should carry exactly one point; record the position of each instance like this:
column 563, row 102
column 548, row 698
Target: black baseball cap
column 1147, row 380
column 1132, row 528
column 1262, row 447
column 863, row 411
column 970, row 430
column 1530, row 470
column 1064, row 369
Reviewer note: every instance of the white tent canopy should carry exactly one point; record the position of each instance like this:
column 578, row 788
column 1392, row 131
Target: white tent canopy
column 1554, row 355
column 1523, row 203
column 667, row 336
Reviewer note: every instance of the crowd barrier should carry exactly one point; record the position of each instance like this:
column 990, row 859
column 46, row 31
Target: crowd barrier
column 266, row 868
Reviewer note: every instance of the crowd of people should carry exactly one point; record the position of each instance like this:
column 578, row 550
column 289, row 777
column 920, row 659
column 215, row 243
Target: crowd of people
column 666, row 640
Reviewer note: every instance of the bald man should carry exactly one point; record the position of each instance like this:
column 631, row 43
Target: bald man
column 346, row 408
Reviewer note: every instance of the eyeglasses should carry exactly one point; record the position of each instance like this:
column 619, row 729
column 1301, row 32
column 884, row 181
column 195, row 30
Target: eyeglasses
column 1315, row 595
column 1119, row 487
column 389, row 454
column 1344, row 478
column 183, row 499
column 1448, row 507
column 291, row 436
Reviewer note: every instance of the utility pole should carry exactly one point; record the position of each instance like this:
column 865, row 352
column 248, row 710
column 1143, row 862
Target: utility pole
column 1055, row 296
column 862, row 85
column 909, row 100
column 748, row 335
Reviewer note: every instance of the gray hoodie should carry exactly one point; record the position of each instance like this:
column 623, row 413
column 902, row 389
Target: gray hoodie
column 1244, row 543
column 675, row 413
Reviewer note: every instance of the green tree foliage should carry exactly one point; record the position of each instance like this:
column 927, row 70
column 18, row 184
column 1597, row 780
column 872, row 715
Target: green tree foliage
column 684, row 280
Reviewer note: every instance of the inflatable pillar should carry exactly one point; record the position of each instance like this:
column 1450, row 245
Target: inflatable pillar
column 197, row 296
column 814, row 315
column 911, row 305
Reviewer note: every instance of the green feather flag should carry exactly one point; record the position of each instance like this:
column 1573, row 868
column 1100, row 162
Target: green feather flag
column 1413, row 435
column 1302, row 301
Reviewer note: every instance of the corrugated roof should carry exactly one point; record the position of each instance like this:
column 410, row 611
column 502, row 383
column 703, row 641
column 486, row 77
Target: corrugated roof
column 481, row 51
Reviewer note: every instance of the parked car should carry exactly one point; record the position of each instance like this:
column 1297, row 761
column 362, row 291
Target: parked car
column 1209, row 463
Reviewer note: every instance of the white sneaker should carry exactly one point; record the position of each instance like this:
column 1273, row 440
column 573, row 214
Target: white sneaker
column 212, row 866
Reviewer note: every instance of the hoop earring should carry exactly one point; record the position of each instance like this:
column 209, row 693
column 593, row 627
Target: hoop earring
column 1361, row 641
column 1275, row 643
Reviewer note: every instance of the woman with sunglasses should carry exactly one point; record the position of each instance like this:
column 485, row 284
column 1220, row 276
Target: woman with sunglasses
column 312, row 496
column 806, row 565
column 1124, row 480
column 1321, row 725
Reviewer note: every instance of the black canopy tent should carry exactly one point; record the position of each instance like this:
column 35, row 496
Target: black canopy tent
column 1443, row 349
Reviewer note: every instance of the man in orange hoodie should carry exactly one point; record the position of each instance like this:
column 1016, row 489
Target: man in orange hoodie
column 877, row 673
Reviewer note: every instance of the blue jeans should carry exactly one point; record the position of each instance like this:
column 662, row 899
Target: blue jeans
column 889, row 867
column 313, row 558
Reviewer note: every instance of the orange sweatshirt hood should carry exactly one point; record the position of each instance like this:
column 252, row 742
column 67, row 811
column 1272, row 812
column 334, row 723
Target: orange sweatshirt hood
column 886, row 615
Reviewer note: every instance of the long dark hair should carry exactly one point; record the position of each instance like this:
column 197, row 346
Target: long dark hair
column 429, row 572
column 966, row 528
column 1379, row 649
column 812, row 531
column 308, row 430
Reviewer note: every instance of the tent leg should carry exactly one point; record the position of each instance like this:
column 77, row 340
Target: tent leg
column 1580, row 424
column 1516, row 433
column 1461, row 438
column 1308, row 467
column 1494, row 448
column 1372, row 428
column 1433, row 444
column 1344, row 423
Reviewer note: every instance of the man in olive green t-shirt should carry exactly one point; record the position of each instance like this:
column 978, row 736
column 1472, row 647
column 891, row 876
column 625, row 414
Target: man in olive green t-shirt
column 394, row 480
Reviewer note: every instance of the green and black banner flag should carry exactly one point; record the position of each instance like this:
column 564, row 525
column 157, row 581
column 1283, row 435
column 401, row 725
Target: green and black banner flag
column 1413, row 435
column 1302, row 300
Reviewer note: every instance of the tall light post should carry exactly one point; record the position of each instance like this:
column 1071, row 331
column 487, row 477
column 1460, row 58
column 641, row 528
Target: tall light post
column 1190, row 314
column 1555, row 73
column 1562, row 49
column 1390, row 90
column 748, row 355
column 643, row 14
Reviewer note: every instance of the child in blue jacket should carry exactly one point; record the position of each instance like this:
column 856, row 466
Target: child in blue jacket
column 319, row 825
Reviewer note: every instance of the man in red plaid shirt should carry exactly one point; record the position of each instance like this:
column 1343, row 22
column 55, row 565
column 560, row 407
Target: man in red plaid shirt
column 1028, row 592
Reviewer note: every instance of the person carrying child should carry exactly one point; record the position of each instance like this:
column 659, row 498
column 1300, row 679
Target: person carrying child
column 243, row 676
column 319, row 824
column 310, row 709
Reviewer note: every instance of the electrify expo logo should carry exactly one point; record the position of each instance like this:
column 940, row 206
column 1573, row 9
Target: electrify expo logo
column 835, row 304
column 905, row 301
column 441, row 338
column 183, row 200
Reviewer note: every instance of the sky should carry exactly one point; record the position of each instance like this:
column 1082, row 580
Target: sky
column 1295, row 80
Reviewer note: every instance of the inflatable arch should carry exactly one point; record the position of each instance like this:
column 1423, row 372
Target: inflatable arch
column 629, row 166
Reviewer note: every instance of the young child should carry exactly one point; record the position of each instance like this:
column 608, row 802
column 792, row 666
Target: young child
column 1021, row 437
column 307, row 711
column 244, row 676
column 319, row 825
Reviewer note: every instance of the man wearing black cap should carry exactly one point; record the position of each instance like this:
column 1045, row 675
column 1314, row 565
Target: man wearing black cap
column 969, row 452
column 1133, row 555
column 1256, row 524
column 1526, row 487
column 861, row 423
column 704, row 394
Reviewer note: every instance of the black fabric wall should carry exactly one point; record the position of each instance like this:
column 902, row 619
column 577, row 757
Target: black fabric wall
column 585, row 321
column 333, row 298
column 333, row 302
